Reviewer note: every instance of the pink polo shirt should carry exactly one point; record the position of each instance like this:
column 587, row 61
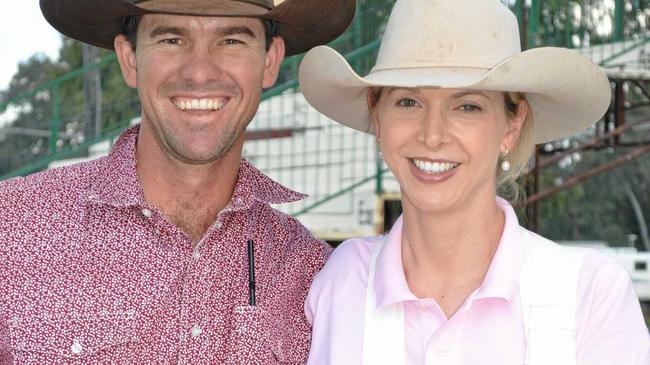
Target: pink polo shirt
column 488, row 328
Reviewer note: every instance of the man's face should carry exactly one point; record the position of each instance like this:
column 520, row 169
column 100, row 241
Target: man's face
column 200, row 80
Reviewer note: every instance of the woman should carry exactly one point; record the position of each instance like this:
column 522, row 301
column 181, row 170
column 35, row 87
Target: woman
column 456, row 108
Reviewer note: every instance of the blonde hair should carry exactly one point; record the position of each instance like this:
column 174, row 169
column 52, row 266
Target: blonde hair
column 519, row 156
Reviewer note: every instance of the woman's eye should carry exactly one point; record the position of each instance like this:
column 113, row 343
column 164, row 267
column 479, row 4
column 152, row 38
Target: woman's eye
column 407, row 102
column 469, row 108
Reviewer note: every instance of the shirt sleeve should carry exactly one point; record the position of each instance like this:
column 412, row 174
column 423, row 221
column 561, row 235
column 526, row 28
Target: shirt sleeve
column 610, row 325
column 335, row 306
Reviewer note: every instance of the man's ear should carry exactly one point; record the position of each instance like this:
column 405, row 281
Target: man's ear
column 274, row 57
column 127, row 60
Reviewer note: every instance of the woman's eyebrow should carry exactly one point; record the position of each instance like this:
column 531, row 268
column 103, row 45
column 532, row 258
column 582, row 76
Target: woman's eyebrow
column 460, row 94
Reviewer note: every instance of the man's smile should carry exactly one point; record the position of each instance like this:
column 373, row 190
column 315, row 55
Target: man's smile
column 211, row 104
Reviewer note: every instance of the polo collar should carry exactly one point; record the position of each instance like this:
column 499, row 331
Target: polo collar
column 501, row 280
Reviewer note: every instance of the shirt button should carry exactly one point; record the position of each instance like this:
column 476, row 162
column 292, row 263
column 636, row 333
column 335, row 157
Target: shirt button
column 218, row 225
column 196, row 255
column 441, row 351
column 146, row 212
column 196, row 331
column 76, row 347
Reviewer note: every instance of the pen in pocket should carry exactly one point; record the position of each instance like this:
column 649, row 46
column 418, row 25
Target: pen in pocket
column 251, row 274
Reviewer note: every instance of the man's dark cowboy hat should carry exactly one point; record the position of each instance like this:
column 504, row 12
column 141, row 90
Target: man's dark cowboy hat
column 301, row 23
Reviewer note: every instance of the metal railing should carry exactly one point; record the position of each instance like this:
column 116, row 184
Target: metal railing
column 319, row 157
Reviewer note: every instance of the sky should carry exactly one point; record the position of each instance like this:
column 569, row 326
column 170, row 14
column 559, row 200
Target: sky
column 24, row 33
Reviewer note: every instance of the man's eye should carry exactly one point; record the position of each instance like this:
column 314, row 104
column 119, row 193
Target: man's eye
column 171, row 41
column 231, row 41
column 407, row 102
column 470, row 108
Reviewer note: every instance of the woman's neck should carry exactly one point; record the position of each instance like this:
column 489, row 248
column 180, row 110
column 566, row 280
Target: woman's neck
column 447, row 253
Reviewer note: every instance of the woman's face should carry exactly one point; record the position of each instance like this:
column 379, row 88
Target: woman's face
column 443, row 145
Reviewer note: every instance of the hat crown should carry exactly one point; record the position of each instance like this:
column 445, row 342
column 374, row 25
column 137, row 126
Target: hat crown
column 448, row 33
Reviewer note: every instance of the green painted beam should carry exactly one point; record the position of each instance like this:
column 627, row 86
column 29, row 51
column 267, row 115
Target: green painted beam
column 337, row 194
column 533, row 23
column 56, row 118
column 619, row 12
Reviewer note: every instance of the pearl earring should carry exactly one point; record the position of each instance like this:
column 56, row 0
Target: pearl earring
column 505, row 164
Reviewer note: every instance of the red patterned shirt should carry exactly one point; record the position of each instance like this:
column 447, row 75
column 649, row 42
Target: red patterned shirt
column 92, row 274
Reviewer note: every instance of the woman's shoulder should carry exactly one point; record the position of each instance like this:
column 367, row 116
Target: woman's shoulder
column 343, row 281
column 350, row 261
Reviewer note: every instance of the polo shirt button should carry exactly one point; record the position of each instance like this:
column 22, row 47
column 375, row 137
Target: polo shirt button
column 441, row 351
column 146, row 212
column 76, row 347
column 196, row 255
column 196, row 331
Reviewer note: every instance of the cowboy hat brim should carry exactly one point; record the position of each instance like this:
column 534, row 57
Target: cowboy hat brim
column 567, row 92
column 302, row 24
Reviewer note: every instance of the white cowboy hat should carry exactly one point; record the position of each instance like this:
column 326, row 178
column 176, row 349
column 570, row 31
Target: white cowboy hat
column 461, row 44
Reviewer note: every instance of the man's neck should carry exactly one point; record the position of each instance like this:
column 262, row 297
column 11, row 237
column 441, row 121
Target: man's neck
column 189, row 195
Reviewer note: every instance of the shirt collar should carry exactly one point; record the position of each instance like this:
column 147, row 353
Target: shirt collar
column 117, row 182
column 501, row 279
column 390, row 281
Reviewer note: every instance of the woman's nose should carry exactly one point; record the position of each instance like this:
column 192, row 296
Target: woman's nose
column 433, row 129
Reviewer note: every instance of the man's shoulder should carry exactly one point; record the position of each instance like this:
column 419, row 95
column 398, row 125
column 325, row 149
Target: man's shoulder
column 57, row 185
column 292, row 237
column 288, row 226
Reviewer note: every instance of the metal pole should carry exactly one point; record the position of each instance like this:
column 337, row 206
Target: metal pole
column 56, row 118
column 533, row 22
column 523, row 25
column 619, row 108
column 619, row 11
column 379, row 186
column 589, row 174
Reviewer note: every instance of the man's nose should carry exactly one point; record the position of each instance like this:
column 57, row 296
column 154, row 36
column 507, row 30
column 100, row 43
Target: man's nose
column 201, row 65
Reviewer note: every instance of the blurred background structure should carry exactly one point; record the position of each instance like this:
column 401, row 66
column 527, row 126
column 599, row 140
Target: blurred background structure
column 591, row 189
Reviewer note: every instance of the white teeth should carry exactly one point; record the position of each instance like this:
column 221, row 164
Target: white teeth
column 434, row 167
column 200, row 104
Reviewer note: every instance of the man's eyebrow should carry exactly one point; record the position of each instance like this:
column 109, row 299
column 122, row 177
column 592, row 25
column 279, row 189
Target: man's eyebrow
column 235, row 30
column 161, row 30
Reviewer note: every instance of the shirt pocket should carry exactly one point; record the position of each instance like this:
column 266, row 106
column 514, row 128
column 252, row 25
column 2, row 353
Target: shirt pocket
column 260, row 338
column 249, row 337
column 51, row 340
column 289, row 345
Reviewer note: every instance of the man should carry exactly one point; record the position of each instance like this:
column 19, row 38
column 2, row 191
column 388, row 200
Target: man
column 143, row 256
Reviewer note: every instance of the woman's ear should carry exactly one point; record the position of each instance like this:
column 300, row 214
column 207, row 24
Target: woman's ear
column 515, row 126
column 372, row 98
